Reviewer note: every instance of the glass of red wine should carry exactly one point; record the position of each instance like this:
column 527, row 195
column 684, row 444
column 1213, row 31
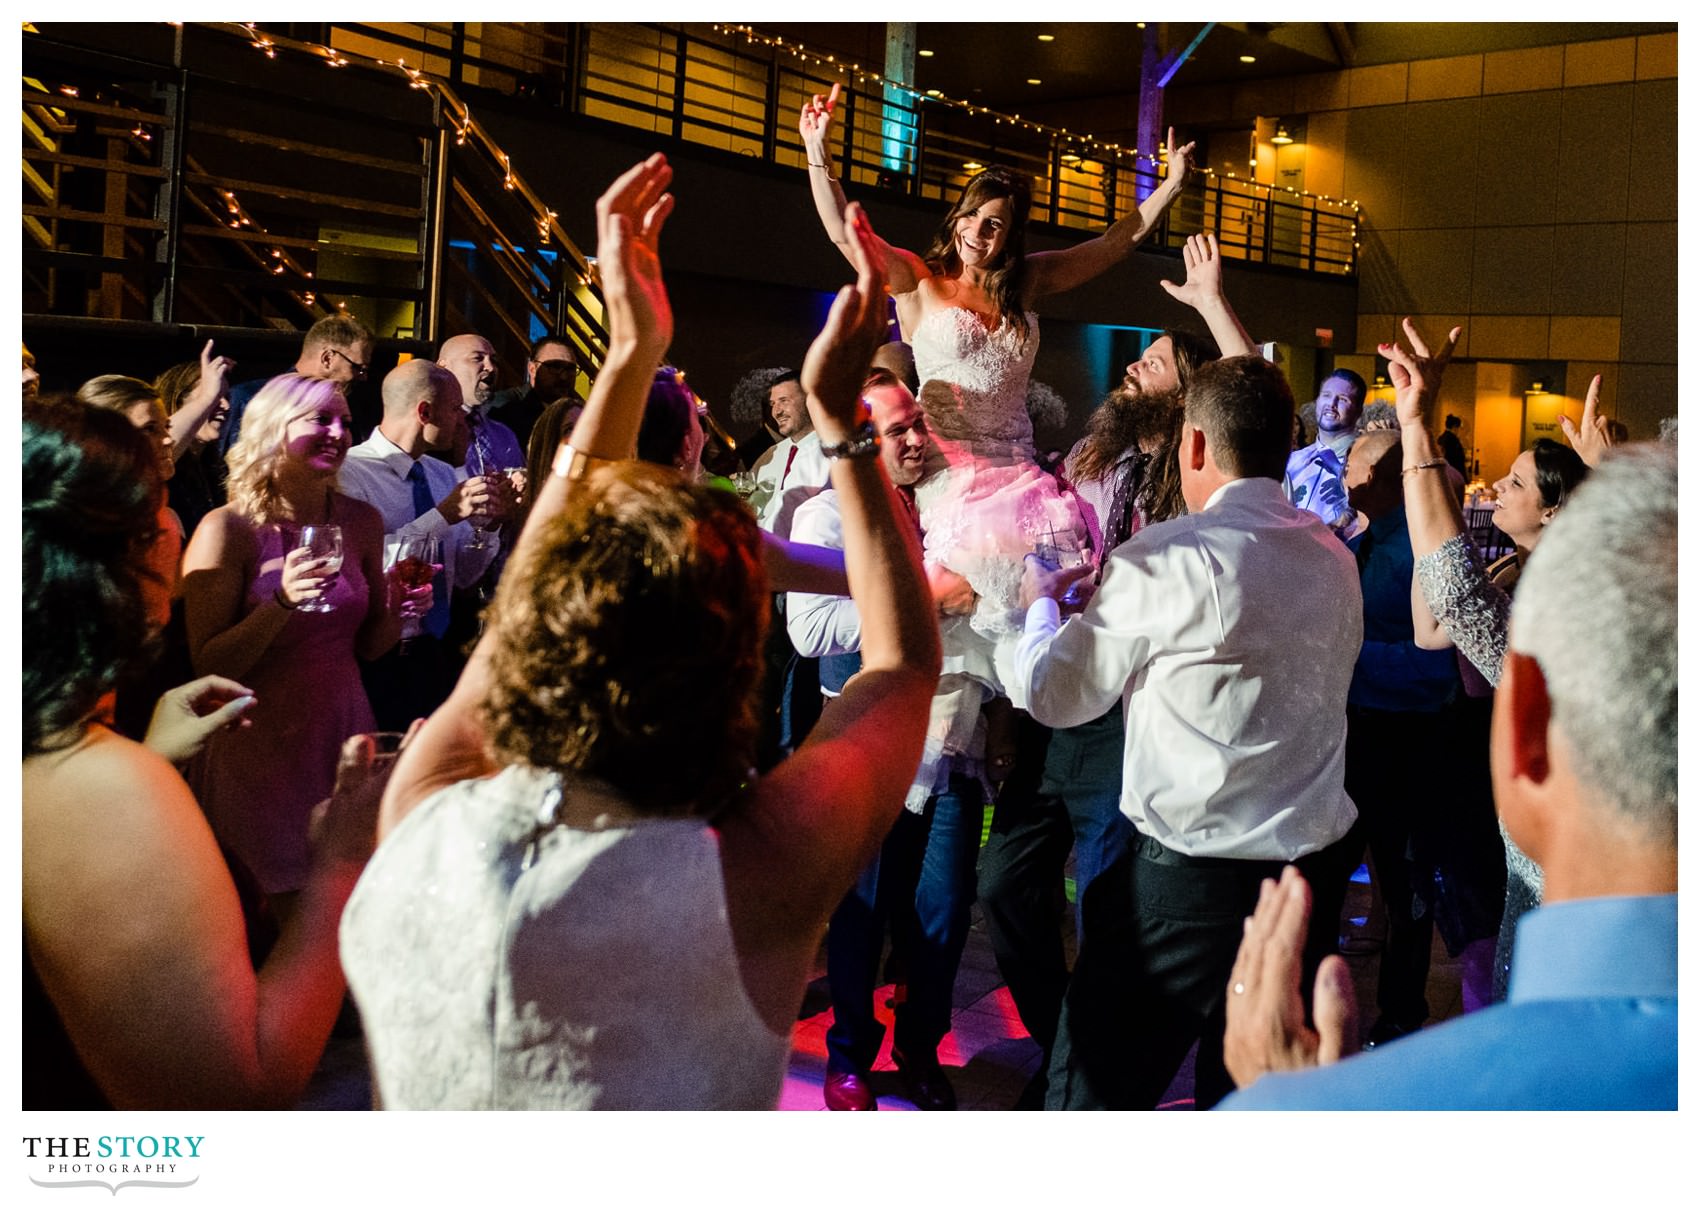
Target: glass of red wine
column 414, row 561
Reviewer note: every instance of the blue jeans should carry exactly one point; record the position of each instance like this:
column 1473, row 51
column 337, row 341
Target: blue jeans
column 927, row 866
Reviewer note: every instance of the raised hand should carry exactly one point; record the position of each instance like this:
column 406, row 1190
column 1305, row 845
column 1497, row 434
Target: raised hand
column 1182, row 160
column 1593, row 439
column 186, row 716
column 629, row 217
column 815, row 124
column 1266, row 1016
column 837, row 363
column 1416, row 375
column 1203, row 272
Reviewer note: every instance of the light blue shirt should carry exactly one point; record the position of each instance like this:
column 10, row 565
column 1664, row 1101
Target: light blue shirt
column 1590, row 1025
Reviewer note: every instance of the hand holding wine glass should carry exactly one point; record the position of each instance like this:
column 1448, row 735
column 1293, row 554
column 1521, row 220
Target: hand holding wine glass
column 319, row 557
column 415, row 563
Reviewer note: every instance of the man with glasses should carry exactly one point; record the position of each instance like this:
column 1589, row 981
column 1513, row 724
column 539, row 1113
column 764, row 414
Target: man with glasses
column 337, row 348
column 551, row 374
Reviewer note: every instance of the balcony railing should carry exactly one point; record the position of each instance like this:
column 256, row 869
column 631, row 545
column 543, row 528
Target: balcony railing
column 713, row 88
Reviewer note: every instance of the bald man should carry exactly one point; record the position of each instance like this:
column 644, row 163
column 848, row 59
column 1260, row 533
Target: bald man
column 419, row 495
column 1397, row 729
column 472, row 361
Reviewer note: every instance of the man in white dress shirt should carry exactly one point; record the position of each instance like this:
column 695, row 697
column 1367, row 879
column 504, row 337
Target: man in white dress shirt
column 420, row 495
column 1229, row 636
column 922, row 882
column 788, row 473
column 793, row 469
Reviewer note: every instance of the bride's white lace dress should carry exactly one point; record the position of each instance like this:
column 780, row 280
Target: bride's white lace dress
column 984, row 502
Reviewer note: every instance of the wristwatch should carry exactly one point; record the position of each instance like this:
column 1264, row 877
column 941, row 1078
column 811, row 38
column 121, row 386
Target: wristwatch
column 863, row 440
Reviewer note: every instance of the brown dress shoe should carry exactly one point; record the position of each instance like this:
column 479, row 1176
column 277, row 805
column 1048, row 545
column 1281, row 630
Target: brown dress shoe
column 848, row 1092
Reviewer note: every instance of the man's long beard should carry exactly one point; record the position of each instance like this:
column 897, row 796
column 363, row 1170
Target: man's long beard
column 1126, row 420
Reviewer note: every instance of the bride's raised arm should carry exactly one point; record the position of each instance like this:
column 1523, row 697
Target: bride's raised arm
column 903, row 270
column 1061, row 269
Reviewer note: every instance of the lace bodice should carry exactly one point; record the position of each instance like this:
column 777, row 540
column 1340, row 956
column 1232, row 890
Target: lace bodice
column 974, row 382
column 596, row 971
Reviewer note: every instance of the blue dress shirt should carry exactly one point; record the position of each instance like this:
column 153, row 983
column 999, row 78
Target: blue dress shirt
column 1590, row 1026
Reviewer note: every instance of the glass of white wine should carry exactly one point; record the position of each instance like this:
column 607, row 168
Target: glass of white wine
column 324, row 544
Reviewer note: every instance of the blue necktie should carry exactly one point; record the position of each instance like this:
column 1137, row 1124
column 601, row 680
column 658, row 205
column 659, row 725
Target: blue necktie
column 437, row 621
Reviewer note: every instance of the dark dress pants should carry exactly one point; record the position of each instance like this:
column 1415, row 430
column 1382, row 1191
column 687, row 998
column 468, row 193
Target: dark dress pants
column 1162, row 931
column 1065, row 792
column 1395, row 780
column 927, row 862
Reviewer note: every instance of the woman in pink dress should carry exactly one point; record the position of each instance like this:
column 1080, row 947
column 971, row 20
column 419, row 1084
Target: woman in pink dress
column 245, row 580
column 965, row 306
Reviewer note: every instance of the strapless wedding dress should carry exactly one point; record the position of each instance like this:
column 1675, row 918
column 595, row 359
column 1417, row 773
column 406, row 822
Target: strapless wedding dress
column 984, row 503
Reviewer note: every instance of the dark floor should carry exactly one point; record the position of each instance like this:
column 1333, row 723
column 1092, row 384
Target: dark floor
column 987, row 1054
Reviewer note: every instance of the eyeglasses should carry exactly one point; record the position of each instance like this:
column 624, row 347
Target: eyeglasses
column 359, row 368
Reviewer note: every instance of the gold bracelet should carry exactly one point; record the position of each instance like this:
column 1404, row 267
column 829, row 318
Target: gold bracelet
column 1424, row 466
column 573, row 464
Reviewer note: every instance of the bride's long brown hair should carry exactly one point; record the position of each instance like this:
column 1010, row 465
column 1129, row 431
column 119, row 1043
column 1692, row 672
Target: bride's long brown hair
column 1005, row 281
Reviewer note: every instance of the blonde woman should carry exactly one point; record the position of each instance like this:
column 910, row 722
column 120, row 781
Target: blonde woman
column 244, row 581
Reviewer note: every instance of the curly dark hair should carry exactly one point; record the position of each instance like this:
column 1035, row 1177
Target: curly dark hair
column 92, row 496
column 1005, row 283
column 628, row 644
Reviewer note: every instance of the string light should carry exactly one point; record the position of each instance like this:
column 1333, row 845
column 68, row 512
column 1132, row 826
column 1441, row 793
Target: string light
column 933, row 96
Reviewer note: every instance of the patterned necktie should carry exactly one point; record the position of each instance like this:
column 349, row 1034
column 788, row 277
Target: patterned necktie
column 1118, row 526
column 437, row 621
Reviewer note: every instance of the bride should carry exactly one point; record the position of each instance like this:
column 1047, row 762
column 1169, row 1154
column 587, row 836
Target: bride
column 965, row 308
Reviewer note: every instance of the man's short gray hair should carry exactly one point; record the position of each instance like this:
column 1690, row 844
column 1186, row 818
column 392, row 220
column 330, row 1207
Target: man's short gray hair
column 1596, row 606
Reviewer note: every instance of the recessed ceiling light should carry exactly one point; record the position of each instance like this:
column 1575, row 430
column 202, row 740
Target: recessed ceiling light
column 1047, row 37
column 932, row 92
column 925, row 54
column 1248, row 58
column 1034, row 80
column 973, row 166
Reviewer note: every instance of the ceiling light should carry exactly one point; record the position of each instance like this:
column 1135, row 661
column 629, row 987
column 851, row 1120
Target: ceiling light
column 1034, row 80
column 1070, row 158
column 1139, row 25
column 1248, row 58
column 1047, row 37
column 925, row 54
column 1282, row 138
column 932, row 92
column 973, row 166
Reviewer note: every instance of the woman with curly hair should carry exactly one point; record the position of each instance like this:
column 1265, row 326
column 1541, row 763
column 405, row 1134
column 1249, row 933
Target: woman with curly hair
column 245, row 579
column 585, row 897
column 138, row 986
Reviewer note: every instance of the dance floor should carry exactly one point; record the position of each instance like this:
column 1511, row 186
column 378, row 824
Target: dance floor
column 987, row 1055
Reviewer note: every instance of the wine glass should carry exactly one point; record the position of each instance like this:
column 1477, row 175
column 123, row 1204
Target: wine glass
column 414, row 561
column 324, row 544
column 480, row 462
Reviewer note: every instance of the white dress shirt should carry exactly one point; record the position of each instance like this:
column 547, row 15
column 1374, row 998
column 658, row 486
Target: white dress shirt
column 376, row 472
column 821, row 624
column 784, row 482
column 1230, row 636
